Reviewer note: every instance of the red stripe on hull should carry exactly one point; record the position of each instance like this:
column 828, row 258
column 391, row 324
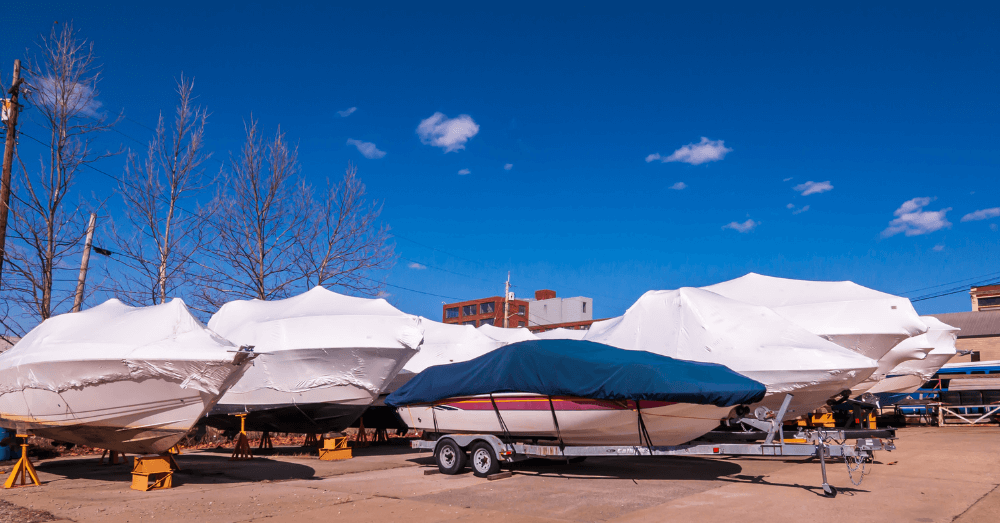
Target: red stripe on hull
column 560, row 403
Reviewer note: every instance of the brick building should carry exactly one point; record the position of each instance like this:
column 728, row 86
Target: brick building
column 980, row 334
column 486, row 311
column 986, row 297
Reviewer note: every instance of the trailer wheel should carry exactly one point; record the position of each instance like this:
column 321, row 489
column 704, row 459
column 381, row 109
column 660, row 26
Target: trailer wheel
column 484, row 460
column 450, row 457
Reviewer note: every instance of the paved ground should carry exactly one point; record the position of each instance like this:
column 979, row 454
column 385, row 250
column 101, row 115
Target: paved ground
column 937, row 474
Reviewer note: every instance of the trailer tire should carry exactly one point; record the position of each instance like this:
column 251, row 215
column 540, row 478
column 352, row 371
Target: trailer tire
column 484, row 460
column 450, row 457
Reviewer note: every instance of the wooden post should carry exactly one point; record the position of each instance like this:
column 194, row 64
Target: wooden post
column 8, row 158
column 78, row 301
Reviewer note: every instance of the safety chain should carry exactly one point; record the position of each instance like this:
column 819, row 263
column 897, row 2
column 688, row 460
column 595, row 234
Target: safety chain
column 860, row 464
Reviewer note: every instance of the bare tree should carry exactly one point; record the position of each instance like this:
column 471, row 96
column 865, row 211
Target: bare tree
column 62, row 86
column 345, row 244
column 261, row 218
column 164, row 237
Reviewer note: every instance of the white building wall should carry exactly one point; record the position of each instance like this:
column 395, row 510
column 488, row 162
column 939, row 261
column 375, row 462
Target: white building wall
column 560, row 310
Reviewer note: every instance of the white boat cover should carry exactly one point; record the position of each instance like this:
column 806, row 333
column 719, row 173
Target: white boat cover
column 699, row 325
column 939, row 345
column 317, row 319
column 562, row 334
column 507, row 336
column 163, row 341
column 445, row 343
column 861, row 319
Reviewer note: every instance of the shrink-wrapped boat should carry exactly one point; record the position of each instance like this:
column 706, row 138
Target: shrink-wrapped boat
column 129, row 379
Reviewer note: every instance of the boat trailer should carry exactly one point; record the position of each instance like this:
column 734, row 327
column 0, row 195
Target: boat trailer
column 488, row 450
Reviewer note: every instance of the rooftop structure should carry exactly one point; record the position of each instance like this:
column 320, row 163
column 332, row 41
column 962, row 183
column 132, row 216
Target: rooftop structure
column 986, row 297
column 486, row 311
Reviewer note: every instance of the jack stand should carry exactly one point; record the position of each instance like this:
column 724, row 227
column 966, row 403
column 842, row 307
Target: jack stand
column 311, row 440
column 334, row 449
column 828, row 490
column 362, row 439
column 265, row 441
column 381, row 435
column 23, row 469
column 155, row 468
column 242, row 450
column 114, row 457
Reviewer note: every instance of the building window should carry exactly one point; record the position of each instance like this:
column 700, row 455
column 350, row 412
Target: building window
column 470, row 322
column 451, row 313
column 976, row 356
column 469, row 310
column 520, row 310
column 992, row 301
column 486, row 308
column 487, row 321
column 520, row 324
column 584, row 307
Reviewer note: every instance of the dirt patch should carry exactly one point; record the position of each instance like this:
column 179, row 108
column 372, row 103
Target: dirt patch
column 10, row 513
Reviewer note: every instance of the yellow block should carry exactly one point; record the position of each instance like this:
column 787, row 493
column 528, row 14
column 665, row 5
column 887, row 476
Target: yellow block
column 155, row 468
column 334, row 449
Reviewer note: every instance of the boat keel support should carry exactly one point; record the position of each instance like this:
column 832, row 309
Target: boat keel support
column 23, row 469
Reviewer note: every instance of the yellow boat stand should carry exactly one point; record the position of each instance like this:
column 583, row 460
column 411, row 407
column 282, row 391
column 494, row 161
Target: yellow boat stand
column 265, row 441
column 114, row 457
column 334, row 449
column 242, row 450
column 23, row 470
column 158, row 469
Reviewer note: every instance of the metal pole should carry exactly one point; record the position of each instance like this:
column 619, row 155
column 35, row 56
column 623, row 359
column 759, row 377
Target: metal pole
column 78, row 301
column 506, row 302
column 8, row 158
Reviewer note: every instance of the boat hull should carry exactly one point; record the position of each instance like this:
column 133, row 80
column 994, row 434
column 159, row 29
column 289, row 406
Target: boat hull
column 581, row 421
column 308, row 390
column 156, row 416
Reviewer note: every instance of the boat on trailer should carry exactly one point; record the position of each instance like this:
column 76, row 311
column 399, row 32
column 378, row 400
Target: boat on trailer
column 128, row 379
column 574, row 392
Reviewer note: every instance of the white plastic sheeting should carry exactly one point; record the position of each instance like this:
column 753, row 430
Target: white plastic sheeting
column 855, row 317
column 507, row 336
column 561, row 334
column 126, row 343
column 699, row 325
column 318, row 339
column 939, row 345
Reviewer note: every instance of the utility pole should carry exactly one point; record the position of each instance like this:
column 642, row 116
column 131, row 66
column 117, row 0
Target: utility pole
column 78, row 301
column 506, row 301
column 10, row 109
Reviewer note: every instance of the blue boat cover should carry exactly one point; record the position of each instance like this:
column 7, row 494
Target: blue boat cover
column 582, row 369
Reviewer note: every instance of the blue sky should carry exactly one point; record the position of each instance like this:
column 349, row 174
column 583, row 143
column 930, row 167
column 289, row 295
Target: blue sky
column 877, row 106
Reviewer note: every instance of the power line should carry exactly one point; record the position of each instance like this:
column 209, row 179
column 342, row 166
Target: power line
column 953, row 282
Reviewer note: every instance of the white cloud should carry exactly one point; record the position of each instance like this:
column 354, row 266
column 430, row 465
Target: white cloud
column 787, row 179
column 938, row 248
column 347, row 112
column 464, row 172
column 679, row 186
column 801, row 210
column 696, row 153
column 508, row 166
column 912, row 220
column 983, row 214
column 746, row 226
column 448, row 134
column 367, row 149
column 812, row 187
column 76, row 97
column 415, row 265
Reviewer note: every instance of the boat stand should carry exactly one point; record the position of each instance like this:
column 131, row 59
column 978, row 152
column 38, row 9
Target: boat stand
column 265, row 441
column 242, row 451
column 821, row 443
column 311, row 440
column 23, row 469
column 335, row 449
column 158, row 469
column 114, row 457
